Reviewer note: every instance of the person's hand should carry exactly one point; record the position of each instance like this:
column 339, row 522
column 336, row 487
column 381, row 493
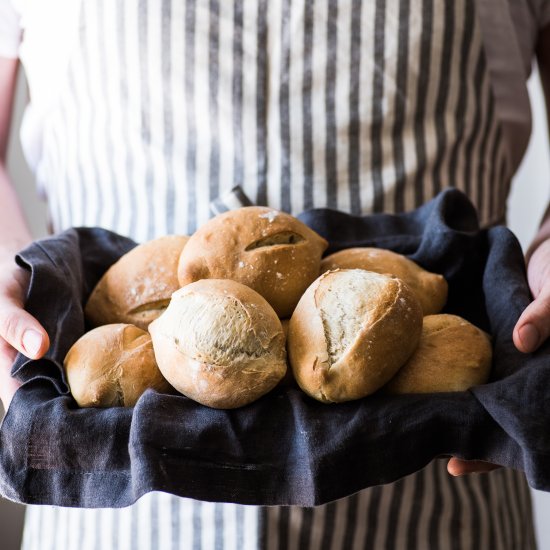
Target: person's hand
column 533, row 326
column 19, row 331
column 531, row 330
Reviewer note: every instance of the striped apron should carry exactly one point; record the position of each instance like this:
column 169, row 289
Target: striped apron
column 360, row 105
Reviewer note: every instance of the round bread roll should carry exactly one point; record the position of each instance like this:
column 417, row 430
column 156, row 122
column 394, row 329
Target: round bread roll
column 137, row 288
column 270, row 251
column 351, row 332
column 430, row 288
column 111, row 366
column 220, row 343
column 453, row 355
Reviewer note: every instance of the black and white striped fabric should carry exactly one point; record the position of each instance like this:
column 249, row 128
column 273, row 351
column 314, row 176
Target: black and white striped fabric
column 428, row 510
column 173, row 110
column 356, row 105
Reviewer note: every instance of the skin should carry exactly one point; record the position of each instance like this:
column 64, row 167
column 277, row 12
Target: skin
column 21, row 332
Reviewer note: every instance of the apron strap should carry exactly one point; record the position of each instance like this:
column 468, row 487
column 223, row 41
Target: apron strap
column 231, row 200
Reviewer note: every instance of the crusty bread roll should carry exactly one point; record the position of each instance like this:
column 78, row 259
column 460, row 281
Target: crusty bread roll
column 111, row 366
column 270, row 251
column 220, row 343
column 350, row 333
column 430, row 288
column 453, row 355
column 137, row 288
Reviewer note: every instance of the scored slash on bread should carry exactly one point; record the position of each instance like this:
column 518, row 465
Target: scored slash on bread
column 138, row 287
column 269, row 251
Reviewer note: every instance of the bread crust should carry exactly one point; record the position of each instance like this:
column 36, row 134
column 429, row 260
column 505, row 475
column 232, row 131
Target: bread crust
column 112, row 366
column 220, row 343
column 453, row 355
column 270, row 251
column 430, row 288
column 388, row 334
column 137, row 288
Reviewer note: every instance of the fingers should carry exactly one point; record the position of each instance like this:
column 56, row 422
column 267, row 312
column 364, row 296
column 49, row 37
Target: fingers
column 533, row 326
column 19, row 331
column 459, row 467
column 22, row 331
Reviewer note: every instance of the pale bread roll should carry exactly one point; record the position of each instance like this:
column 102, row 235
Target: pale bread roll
column 220, row 343
column 430, row 288
column 137, row 288
column 453, row 355
column 271, row 252
column 111, row 366
column 351, row 332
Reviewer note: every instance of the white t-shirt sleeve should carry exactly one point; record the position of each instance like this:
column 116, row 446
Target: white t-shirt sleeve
column 10, row 30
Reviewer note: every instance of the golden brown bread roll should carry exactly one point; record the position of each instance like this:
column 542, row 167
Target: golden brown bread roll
column 270, row 251
column 111, row 366
column 137, row 288
column 220, row 343
column 453, row 355
column 350, row 333
column 430, row 288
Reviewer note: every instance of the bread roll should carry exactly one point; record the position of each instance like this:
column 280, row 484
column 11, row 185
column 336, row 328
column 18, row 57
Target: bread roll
column 111, row 366
column 350, row 333
column 453, row 355
column 430, row 288
column 137, row 288
column 220, row 343
column 270, row 251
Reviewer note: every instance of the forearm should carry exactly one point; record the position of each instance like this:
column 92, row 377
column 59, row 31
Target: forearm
column 14, row 232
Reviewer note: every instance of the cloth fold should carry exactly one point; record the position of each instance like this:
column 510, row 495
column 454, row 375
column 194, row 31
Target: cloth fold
column 285, row 448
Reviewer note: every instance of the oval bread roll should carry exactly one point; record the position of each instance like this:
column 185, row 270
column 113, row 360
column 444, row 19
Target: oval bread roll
column 271, row 252
column 111, row 366
column 220, row 343
column 137, row 288
column 430, row 288
column 351, row 332
column 453, row 355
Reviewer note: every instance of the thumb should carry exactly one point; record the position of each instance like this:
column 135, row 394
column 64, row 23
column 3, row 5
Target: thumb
column 22, row 331
column 533, row 326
